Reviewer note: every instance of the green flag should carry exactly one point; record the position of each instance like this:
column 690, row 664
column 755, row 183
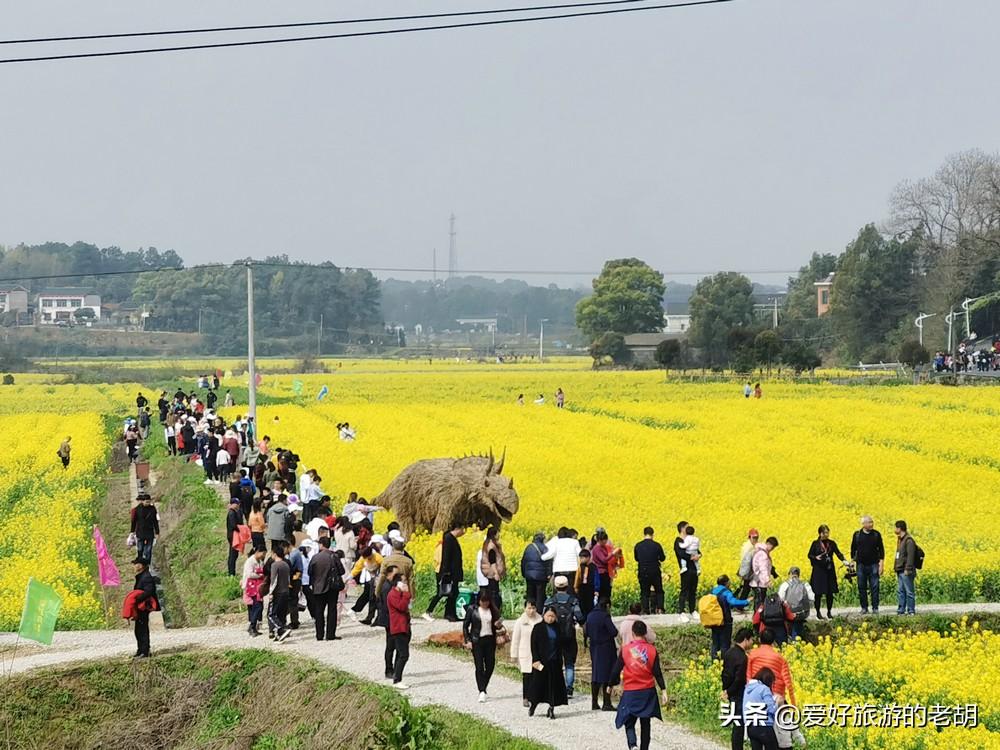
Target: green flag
column 297, row 387
column 41, row 608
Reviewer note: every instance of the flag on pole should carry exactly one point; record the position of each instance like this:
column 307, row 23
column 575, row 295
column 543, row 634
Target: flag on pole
column 297, row 387
column 106, row 568
column 41, row 608
column 258, row 378
column 323, row 393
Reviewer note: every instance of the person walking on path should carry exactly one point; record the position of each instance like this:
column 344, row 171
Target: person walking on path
column 688, row 574
column 452, row 574
column 64, row 451
column 253, row 577
column 638, row 665
column 759, row 709
column 762, row 570
column 585, row 584
column 145, row 526
column 734, row 680
column 625, row 632
column 386, row 584
column 280, row 579
column 480, row 631
column 145, row 602
column 765, row 655
column 493, row 565
column 648, row 558
column 398, row 603
column 905, row 566
column 603, row 555
column 399, row 560
column 722, row 634
column 234, row 519
column 520, row 644
column 824, row 574
column 601, row 633
column 569, row 615
column 562, row 550
column 745, row 572
column 277, row 523
column 868, row 554
column 326, row 577
column 798, row 596
column 547, row 684
column 534, row 571
column 365, row 571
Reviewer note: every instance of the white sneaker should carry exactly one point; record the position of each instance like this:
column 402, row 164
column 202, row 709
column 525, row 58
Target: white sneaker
column 427, row 616
column 352, row 615
column 482, row 697
column 400, row 686
column 208, row 481
column 683, row 617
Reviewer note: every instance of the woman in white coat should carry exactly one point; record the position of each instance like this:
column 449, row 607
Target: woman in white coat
column 520, row 644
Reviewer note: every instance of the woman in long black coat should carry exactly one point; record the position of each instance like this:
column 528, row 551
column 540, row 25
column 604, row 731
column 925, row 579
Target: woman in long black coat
column 601, row 631
column 548, row 683
column 824, row 575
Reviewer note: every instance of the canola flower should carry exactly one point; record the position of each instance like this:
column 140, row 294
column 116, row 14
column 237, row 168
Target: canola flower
column 632, row 449
column 955, row 668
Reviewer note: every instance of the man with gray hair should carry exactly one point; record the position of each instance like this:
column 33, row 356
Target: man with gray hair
column 868, row 555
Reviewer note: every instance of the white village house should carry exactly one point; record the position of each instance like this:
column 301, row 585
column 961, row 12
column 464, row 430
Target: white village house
column 60, row 304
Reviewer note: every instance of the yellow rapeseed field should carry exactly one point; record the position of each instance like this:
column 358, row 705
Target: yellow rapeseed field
column 631, row 450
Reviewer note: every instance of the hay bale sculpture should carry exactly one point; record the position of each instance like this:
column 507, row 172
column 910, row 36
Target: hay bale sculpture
column 438, row 494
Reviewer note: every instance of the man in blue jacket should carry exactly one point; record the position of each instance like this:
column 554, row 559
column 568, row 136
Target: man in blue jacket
column 722, row 635
column 534, row 570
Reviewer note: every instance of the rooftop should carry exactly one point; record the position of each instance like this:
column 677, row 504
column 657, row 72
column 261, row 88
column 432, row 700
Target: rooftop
column 66, row 291
column 825, row 282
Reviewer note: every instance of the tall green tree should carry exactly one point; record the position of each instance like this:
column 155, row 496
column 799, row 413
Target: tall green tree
column 719, row 304
column 873, row 292
column 801, row 301
column 627, row 298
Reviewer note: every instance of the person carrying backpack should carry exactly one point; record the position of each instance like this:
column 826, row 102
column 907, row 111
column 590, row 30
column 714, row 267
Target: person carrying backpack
column 909, row 558
column 774, row 615
column 799, row 596
column 716, row 612
column 568, row 615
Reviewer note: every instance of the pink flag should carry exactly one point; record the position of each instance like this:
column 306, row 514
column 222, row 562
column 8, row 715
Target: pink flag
column 105, row 565
column 258, row 379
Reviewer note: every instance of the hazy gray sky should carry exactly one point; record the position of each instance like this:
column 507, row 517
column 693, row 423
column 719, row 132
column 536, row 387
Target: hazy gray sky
column 737, row 136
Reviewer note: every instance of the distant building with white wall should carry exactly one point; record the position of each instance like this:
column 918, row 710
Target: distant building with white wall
column 60, row 304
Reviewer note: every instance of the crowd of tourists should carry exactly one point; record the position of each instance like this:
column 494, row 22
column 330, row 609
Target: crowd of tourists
column 305, row 552
column 968, row 358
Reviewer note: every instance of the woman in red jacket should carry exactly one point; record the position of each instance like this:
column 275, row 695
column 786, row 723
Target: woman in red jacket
column 398, row 632
column 639, row 667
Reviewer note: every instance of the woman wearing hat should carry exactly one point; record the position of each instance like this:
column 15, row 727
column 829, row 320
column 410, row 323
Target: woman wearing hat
column 143, row 597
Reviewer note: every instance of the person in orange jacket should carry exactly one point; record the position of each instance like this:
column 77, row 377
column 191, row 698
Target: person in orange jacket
column 765, row 655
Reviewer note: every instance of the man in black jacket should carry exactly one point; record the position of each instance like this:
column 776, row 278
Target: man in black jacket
column 145, row 526
column 452, row 572
column 734, row 679
column 326, row 578
column 145, row 583
column 648, row 557
column 868, row 554
column 234, row 518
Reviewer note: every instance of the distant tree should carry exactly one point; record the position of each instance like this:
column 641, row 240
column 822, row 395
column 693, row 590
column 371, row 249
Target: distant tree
column 767, row 348
column 627, row 298
column 913, row 353
column 609, row 345
column 669, row 354
column 84, row 313
column 800, row 357
column 873, row 291
column 719, row 304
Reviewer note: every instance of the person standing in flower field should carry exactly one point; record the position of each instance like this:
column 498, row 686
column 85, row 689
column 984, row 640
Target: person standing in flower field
column 824, row 573
column 868, row 554
column 745, row 572
column 560, row 398
column 648, row 557
column 762, row 570
column 63, row 452
column 688, row 573
column 906, row 563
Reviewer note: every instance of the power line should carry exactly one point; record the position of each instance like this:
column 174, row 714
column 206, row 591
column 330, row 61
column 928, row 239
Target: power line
column 302, row 24
column 356, row 34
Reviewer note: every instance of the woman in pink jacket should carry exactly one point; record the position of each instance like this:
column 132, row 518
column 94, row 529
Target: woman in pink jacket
column 762, row 570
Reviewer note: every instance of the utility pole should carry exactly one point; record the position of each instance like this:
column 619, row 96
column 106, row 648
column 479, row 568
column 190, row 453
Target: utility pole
column 541, row 338
column 319, row 337
column 434, row 266
column 251, row 362
column 452, row 248
column 774, row 320
column 199, row 321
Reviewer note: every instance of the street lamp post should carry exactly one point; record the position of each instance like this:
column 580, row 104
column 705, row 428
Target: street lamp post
column 919, row 323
